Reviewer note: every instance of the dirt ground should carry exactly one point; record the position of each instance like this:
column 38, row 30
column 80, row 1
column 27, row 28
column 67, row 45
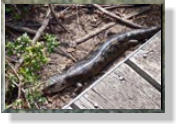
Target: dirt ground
column 79, row 21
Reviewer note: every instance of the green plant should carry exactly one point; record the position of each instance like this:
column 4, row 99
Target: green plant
column 18, row 103
column 8, row 9
column 17, row 16
column 35, row 57
column 34, row 97
column 14, row 11
column 51, row 42
column 18, row 46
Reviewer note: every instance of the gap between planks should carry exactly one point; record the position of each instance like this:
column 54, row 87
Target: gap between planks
column 143, row 74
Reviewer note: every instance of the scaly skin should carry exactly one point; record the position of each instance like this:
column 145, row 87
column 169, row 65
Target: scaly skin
column 97, row 61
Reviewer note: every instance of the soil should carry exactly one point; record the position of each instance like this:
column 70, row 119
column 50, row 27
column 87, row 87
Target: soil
column 79, row 21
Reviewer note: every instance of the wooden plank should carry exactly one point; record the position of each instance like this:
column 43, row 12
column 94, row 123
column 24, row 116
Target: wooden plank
column 144, row 74
column 125, row 89
column 78, row 105
column 92, row 100
column 98, row 100
column 82, row 103
column 149, row 58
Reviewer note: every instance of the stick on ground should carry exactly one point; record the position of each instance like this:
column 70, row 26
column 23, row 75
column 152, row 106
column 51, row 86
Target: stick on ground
column 105, row 27
column 118, row 6
column 93, row 33
column 21, row 29
column 42, row 28
column 143, row 10
column 56, row 17
column 122, row 21
column 17, row 75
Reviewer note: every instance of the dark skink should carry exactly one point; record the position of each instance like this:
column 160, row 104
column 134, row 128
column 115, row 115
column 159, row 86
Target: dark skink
column 97, row 61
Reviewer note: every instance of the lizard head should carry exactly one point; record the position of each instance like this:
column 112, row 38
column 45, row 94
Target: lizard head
column 54, row 85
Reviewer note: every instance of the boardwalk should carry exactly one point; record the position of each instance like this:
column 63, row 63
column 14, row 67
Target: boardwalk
column 133, row 84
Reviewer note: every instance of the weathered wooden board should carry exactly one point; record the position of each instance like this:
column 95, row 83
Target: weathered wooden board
column 149, row 58
column 92, row 100
column 122, row 89
column 83, row 103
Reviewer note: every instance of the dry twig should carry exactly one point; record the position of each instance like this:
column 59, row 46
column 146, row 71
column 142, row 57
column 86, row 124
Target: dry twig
column 28, row 104
column 10, row 59
column 99, row 30
column 143, row 10
column 88, row 5
column 118, row 6
column 42, row 28
column 123, row 21
column 21, row 29
column 19, row 78
column 93, row 33
column 56, row 17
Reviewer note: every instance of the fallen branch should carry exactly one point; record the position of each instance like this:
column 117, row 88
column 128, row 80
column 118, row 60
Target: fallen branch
column 118, row 6
column 6, row 85
column 93, row 33
column 56, row 17
column 61, row 15
column 99, row 30
column 21, row 29
column 10, row 59
column 28, row 104
column 79, row 5
column 123, row 21
column 13, row 69
column 42, row 28
column 19, row 78
column 88, row 5
column 143, row 10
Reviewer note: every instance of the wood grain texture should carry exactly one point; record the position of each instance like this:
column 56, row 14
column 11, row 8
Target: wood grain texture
column 123, row 89
column 149, row 58
column 83, row 103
